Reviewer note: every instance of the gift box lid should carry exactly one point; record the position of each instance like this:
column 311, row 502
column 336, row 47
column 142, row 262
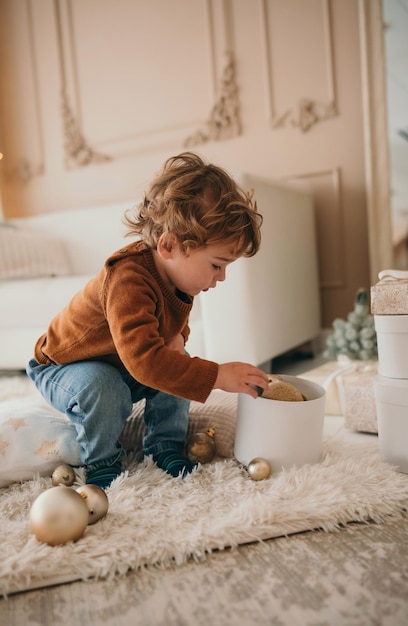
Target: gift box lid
column 390, row 295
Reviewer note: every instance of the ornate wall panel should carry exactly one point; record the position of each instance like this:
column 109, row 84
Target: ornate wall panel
column 132, row 87
column 299, row 68
column 22, row 121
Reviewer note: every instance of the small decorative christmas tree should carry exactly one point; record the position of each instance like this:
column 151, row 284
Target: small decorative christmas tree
column 356, row 337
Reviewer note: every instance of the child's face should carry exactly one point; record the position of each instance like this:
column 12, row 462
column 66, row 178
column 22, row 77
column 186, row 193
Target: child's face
column 199, row 269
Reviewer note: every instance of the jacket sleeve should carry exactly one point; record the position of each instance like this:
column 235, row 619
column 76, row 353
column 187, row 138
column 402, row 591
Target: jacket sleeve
column 140, row 325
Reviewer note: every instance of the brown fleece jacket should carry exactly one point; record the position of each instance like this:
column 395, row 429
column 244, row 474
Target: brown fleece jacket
column 125, row 315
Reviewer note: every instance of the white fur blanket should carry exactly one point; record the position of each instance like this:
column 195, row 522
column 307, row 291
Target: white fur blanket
column 156, row 520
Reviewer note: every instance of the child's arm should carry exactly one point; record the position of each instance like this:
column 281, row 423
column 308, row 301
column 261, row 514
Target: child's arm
column 240, row 378
column 234, row 377
column 177, row 344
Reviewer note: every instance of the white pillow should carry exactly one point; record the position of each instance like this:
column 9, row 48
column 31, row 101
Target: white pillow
column 28, row 254
column 35, row 438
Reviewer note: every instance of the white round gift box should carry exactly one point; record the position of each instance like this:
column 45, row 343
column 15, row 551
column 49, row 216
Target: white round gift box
column 391, row 398
column 283, row 433
column 392, row 343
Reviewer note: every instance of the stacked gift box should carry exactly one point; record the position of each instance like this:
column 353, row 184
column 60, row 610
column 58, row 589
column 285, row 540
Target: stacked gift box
column 349, row 391
column 389, row 305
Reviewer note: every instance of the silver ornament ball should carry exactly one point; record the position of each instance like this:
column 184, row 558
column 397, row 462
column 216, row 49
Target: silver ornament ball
column 259, row 469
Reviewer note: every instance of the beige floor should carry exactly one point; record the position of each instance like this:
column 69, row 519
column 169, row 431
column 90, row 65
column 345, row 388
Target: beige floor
column 355, row 577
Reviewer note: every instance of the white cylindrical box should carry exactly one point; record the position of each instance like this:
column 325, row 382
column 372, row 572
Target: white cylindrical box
column 283, row 433
column 392, row 342
column 391, row 397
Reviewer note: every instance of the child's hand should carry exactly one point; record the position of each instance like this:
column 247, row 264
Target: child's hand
column 177, row 344
column 241, row 378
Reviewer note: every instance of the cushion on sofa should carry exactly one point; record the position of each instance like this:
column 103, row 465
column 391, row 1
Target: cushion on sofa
column 27, row 254
column 90, row 234
column 28, row 303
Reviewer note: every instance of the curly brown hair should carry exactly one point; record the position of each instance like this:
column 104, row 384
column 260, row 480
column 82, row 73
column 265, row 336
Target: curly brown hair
column 199, row 203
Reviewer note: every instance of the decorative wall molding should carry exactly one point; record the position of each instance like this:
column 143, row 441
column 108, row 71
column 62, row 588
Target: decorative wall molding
column 224, row 121
column 307, row 112
column 78, row 152
column 157, row 131
column 23, row 170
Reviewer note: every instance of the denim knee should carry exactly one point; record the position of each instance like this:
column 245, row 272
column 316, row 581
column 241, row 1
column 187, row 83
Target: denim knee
column 104, row 389
column 95, row 399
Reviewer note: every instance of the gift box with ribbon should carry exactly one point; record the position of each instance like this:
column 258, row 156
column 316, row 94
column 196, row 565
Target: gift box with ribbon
column 325, row 375
column 390, row 295
column 389, row 303
column 349, row 388
column 356, row 392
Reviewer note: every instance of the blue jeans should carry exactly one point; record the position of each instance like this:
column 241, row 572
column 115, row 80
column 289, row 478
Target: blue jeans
column 98, row 398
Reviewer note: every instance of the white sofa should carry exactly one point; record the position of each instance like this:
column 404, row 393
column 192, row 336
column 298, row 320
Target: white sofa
column 268, row 305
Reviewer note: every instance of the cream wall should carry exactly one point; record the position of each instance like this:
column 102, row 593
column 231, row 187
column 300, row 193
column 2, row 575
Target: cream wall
column 95, row 94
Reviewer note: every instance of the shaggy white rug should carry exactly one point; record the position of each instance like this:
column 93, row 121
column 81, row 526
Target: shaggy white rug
column 156, row 520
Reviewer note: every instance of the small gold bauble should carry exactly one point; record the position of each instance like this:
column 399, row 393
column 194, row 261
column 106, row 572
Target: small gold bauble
column 63, row 475
column 96, row 501
column 201, row 447
column 58, row 515
column 259, row 469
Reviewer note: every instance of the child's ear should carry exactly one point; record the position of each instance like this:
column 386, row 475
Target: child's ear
column 166, row 245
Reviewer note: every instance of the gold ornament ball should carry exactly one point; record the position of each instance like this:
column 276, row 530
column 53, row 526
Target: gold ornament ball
column 259, row 469
column 96, row 501
column 201, row 447
column 58, row 515
column 63, row 475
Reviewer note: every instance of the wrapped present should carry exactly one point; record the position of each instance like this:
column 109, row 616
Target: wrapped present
column 356, row 393
column 349, row 391
column 325, row 376
column 390, row 295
